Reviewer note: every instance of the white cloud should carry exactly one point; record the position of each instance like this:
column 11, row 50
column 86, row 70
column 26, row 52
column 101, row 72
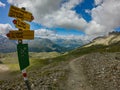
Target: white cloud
column 52, row 14
column 105, row 17
column 38, row 7
column 2, row 4
column 66, row 19
column 88, row 11
column 98, row 2
column 4, row 28
column 108, row 13
column 45, row 33
column 71, row 4
column 94, row 28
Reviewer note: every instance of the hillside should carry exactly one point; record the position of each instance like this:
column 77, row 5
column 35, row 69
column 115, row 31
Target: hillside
column 106, row 40
column 96, row 67
column 83, row 73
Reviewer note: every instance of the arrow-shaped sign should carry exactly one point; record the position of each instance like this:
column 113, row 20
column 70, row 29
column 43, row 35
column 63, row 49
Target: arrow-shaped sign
column 21, row 25
column 20, row 13
column 16, row 35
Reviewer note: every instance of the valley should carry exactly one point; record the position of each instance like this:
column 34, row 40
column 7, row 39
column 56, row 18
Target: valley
column 41, row 45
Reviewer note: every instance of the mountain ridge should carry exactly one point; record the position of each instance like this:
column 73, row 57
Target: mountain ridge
column 40, row 45
column 110, row 39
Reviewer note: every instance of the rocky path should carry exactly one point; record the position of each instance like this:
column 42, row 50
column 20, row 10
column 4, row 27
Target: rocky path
column 3, row 68
column 3, row 72
column 77, row 80
column 96, row 71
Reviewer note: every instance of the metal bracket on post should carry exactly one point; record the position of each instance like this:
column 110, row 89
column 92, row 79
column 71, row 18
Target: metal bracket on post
column 20, row 41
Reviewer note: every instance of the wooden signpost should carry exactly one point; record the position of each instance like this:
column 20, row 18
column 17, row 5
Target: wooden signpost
column 24, row 32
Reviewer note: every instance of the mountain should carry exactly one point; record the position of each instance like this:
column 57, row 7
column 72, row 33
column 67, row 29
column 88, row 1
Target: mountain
column 113, row 37
column 7, row 45
column 36, row 45
column 44, row 45
column 69, row 43
column 41, row 45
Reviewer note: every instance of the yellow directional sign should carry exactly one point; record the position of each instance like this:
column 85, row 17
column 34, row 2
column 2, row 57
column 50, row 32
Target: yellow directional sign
column 20, row 13
column 16, row 35
column 21, row 25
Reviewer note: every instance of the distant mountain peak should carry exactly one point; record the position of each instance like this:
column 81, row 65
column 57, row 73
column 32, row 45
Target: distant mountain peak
column 114, row 33
column 112, row 38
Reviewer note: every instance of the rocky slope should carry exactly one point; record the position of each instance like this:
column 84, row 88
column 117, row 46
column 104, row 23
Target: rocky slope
column 96, row 71
column 102, row 70
column 96, row 67
column 106, row 40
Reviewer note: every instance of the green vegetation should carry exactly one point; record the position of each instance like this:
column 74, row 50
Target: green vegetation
column 43, row 55
column 77, row 53
column 36, row 59
column 39, row 60
column 51, row 68
column 95, row 48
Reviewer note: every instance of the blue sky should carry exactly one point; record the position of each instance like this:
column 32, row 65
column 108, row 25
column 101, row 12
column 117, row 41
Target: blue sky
column 4, row 13
column 68, row 17
column 79, row 9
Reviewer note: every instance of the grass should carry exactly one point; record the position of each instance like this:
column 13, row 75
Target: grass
column 54, row 59
column 13, row 67
column 77, row 53
column 43, row 55
column 38, row 60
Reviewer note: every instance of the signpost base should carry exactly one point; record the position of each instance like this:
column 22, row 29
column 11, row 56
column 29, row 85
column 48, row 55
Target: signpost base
column 27, row 84
column 26, row 79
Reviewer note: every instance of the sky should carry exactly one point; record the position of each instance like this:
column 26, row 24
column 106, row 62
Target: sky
column 66, row 19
